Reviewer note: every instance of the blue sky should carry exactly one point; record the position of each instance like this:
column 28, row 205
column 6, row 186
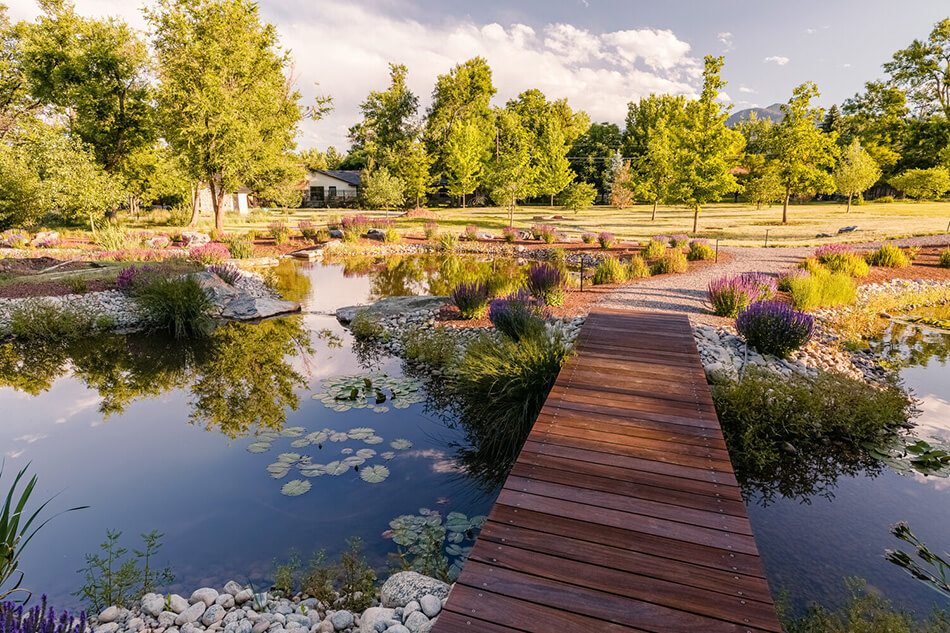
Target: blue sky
column 600, row 54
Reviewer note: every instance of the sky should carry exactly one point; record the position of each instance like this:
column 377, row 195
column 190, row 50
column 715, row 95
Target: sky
column 599, row 54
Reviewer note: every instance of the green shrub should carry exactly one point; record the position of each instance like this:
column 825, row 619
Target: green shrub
column 700, row 250
column 812, row 266
column 241, row 249
column 279, row 231
column 654, row 249
column 317, row 581
column 637, row 268
column 437, row 346
column 179, row 305
column 610, row 271
column 365, row 325
column 945, row 259
column 821, row 291
column 673, row 262
column 885, row 199
column 391, row 235
column 322, row 235
column 112, row 237
column 110, row 580
column 78, row 285
column 850, row 264
column 45, row 320
column 448, row 242
column 357, row 578
column 285, row 576
column 431, row 231
column 888, row 256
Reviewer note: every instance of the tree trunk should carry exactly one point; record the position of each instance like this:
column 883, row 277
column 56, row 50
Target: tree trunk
column 552, row 201
column 217, row 198
column 195, row 210
column 653, row 217
column 695, row 220
column 785, row 208
column 850, row 195
column 92, row 226
column 463, row 200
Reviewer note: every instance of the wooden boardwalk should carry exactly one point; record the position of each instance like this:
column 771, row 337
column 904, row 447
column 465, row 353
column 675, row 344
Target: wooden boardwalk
column 622, row 512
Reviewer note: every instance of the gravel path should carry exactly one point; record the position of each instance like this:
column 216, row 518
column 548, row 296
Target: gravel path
column 687, row 293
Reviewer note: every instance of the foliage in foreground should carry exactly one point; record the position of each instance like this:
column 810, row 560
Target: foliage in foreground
column 351, row 576
column 518, row 315
column 731, row 294
column 46, row 320
column 15, row 619
column 935, row 570
column 821, row 290
column 16, row 532
column 864, row 612
column 471, row 299
column 774, row 327
column 432, row 546
column 763, row 418
column 112, row 578
column 179, row 304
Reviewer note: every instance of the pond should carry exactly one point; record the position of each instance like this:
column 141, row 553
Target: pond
column 236, row 449
column 831, row 518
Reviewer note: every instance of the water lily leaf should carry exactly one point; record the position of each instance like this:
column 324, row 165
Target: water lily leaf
column 401, row 444
column 312, row 470
column 295, row 488
column 258, row 447
column 456, row 522
column 361, row 433
column 267, row 436
column 387, row 455
column 339, row 437
column 293, row 431
column 380, row 409
column 366, row 453
column 374, row 474
column 300, row 443
column 278, row 469
column 374, row 439
column 353, row 461
column 289, row 458
column 318, row 437
column 346, row 451
column 336, row 468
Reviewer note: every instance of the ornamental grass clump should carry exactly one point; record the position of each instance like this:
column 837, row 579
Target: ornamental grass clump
column 354, row 226
column 15, row 619
column 774, row 327
column 606, row 239
column 307, row 229
column 673, row 262
column 241, row 248
column 178, row 304
column 679, row 241
column 210, row 253
column 731, row 294
column 637, row 268
column 471, row 298
column 548, row 283
column 825, row 251
column 945, row 259
column 888, row 256
column 699, row 249
column 588, row 238
column 510, row 234
column 850, row 264
column 812, row 266
column 610, row 271
column 654, row 249
column 471, row 233
column 279, row 232
column 822, row 291
column 544, row 233
column 519, row 315
column 448, row 242
column 431, row 231
column 785, row 279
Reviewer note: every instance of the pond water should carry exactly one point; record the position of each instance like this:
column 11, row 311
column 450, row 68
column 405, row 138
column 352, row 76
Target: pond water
column 198, row 441
column 831, row 519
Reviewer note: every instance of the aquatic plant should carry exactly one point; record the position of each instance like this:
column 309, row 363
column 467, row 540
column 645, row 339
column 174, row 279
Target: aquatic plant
column 278, row 231
column 935, row 572
column 673, row 262
column 888, row 256
column 909, row 455
column 15, row 532
column 548, row 283
column 14, row 618
column 610, row 271
column 430, row 545
column 373, row 390
column 699, row 249
column 655, row 248
column 210, row 253
column 227, row 271
column 821, row 290
column 774, row 327
column 471, row 298
column 606, row 239
column 509, row 233
column 518, row 315
column 588, row 237
column 730, row 294
column 111, row 578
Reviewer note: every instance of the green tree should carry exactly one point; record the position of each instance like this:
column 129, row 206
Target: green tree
column 225, row 99
column 513, row 174
column 764, row 188
column 623, row 186
column 578, row 195
column 878, row 118
column 706, row 146
column 415, row 167
column 382, row 189
column 614, row 165
column 590, row 153
column 554, row 170
column 313, row 159
column 95, row 71
column 804, row 155
column 154, row 174
column 923, row 69
column 465, row 155
column 832, row 121
column 645, row 116
column 923, row 184
column 856, row 171
column 387, row 117
column 16, row 102
column 656, row 167
column 279, row 182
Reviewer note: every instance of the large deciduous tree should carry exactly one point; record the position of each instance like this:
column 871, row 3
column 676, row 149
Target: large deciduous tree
column 554, row 170
column 856, row 171
column 16, row 102
column 878, row 119
column 804, row 155
column 225, row 99
column 513, row 174
column 923, row 69
column 388, row 118
column 591, row 153
column 706, row 147
column 465, row 155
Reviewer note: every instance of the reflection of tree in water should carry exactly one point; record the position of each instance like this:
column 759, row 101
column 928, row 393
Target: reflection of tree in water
column 906, row 345
column 287, row 279
column 239, row 376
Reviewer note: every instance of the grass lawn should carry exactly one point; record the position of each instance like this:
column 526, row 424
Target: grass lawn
column 736, row 224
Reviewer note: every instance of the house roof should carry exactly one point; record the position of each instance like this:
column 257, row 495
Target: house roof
column 349, row 176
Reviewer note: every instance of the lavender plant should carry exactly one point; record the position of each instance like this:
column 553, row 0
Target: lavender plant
column 606, row 239
column 774, row 327
column 731, row 294
column 471, row 298
column 548, row 283
column 518, row 315
column 39, row 619
column 510, row 234
column 588, row 238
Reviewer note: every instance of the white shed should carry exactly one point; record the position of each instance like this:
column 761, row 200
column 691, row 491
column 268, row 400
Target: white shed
column 327, row 185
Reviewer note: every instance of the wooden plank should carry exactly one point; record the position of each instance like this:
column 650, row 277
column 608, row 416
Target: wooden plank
column 622, row 512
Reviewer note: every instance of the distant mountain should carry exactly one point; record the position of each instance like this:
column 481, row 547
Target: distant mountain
column 773, row 113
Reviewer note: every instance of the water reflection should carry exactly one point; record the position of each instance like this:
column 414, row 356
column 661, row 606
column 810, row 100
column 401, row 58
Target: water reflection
column 239, row 377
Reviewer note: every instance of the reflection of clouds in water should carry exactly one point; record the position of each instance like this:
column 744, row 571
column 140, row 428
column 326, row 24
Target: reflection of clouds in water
column 939, row 483
column 29, row 439
column 15, row 454
column 441, row 463
column 934, row 417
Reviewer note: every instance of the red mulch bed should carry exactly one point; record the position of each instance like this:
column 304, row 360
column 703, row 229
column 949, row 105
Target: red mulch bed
column 926, row 266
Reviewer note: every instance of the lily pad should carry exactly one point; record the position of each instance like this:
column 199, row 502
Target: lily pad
column 401, row 444
column 361, row 433
column 293, row 431
column 300, row 443
column 312, row 470
column 353, row 461
column 295, row 487
column 366, row 453
column 258, row 447
column 336, row 468
column 289, row 458
column 387, row 455
column 339, row 437
column 318, row 437
column 374, row 474
column 373, row 439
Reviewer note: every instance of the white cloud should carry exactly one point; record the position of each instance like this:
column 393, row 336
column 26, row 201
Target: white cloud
column 346, row 47
column 846, row 66
column 781, row 61
column 725, row 38
column 811, row 31
column 746, row 90
column 724, row 97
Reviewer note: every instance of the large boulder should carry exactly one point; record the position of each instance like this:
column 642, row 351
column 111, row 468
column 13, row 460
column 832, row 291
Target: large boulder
column 219, row 291
column 406, row 586
column 392, row 306
column 373, row 615
column 247, row 308
column 193, row 238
